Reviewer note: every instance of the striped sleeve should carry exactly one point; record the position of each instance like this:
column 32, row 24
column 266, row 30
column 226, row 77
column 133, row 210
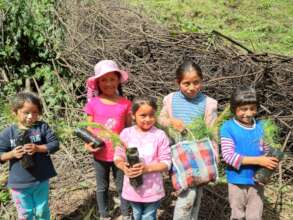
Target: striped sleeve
column 265, row 147
column 229, row 155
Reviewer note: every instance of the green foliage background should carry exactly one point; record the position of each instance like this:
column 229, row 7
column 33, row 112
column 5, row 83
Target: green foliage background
column 30, row 38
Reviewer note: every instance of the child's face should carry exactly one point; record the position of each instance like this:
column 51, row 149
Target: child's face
column 28, row 114
column 246, row 113
column 145, row 117
column 109, row 83
column 190, row 84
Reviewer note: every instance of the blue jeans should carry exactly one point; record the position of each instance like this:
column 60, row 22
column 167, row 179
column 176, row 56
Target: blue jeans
column 188, row 204
column 144, row 211
column 32, row 202
column 103, row 169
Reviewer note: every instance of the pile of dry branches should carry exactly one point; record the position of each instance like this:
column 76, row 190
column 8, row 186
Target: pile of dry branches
column 151, row 54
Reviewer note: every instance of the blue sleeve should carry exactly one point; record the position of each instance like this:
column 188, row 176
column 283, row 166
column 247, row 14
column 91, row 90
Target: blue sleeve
column 51, row 140
column 5, row 145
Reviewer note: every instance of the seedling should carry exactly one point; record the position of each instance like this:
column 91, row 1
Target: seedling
column 88, row 137
column 198, row 129
column 23, row 138
column 271, row 138
column 103, row 133
column 132, row 156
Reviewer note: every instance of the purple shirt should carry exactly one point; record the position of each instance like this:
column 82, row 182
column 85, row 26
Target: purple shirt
column 153, row 147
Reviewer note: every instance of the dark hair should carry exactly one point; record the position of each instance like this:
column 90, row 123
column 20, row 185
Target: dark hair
column 188, row 66
column 120, row 91
column 22, row 97
column 143, row 100
column 243, row 96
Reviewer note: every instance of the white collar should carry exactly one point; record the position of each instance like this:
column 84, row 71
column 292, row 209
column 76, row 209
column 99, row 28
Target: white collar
column 243, row 126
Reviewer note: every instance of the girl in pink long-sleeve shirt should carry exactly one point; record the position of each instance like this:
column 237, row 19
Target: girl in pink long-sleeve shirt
column 155, row 157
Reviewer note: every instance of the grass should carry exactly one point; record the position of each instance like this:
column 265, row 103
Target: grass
column 262, row 26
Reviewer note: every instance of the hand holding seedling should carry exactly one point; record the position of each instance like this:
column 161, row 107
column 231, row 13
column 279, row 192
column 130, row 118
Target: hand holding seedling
column 135, row 170
column 30, row 149
column 18, row 152
column 177, row 124
column 89, row 147
column 268, row 162
column 263, row 161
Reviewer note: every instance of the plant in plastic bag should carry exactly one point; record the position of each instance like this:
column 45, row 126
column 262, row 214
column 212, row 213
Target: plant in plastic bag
column 262, row 175
column 88, row 137
column 103, row 133
column 23, row 138
column 132, row 159
column 270, row 138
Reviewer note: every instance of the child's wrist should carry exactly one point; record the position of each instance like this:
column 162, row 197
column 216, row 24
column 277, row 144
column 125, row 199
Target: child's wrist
column 120, row 165
column 146, row 169
column 37, row 148
column 41, row 148
column 12, row 154
column 258, row 161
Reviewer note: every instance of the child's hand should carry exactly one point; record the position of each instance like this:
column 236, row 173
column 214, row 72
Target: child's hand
column 126, row 169
column 135, row 170
column 18, row 152
column 89, row 148
column 177, row 124
column 30, row 149
column 268, row 162
column 124, row 166
column 141, row 167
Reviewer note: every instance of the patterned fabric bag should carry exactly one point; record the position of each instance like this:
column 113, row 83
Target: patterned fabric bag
column 194, row 164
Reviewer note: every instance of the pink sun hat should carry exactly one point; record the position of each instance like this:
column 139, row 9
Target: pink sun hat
column 103, row 67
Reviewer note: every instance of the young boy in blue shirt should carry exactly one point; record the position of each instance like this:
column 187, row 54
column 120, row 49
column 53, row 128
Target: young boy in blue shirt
column 243, row 150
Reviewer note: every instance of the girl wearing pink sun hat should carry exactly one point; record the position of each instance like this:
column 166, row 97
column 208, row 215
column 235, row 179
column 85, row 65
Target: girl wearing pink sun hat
column 101, row 68
column 107, row 106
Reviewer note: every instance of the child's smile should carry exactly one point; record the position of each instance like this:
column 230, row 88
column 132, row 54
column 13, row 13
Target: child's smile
column 28, row 114
column 145, row 117
column 246, row 113
column 109, row 83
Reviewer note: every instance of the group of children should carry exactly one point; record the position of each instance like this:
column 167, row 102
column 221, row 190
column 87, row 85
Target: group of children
column 242, row 144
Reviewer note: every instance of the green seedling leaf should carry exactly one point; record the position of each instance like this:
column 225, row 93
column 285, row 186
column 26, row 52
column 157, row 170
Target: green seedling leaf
column 271, row 133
